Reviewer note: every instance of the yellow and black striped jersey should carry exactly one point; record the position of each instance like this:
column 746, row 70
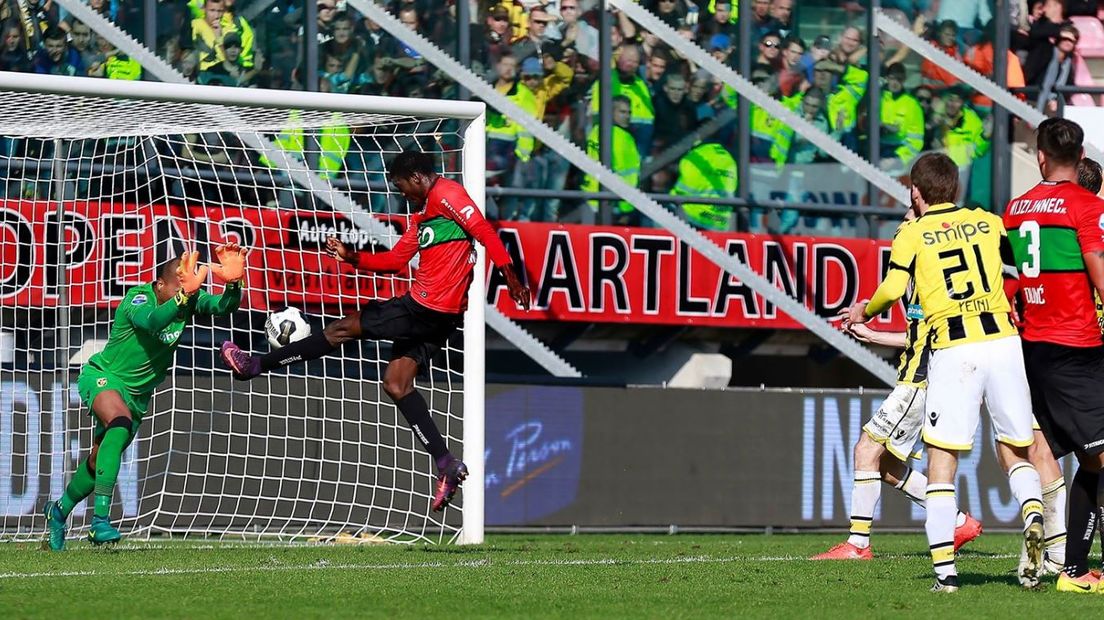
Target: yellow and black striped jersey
column 957, row 259
column 913, row 368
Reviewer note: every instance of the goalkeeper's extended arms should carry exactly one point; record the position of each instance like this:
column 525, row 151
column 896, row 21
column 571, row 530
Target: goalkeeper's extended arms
column 231, row 262
column 150, row 317
column 192, row 276
column 220, row 305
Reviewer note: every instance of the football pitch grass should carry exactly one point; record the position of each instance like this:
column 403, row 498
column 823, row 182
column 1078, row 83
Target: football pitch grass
column 522, row 576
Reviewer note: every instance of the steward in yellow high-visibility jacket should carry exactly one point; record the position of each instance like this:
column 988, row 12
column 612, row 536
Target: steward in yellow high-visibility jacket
column 333, row 144
column 902, row 118
column 707, row 170
column 626, row 156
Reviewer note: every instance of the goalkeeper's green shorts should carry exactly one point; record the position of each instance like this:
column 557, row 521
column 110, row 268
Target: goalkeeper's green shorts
column 93, row 380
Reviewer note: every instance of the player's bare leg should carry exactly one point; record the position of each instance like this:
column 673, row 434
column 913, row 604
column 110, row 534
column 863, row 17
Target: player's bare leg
column 337, row 333
column 398, row 382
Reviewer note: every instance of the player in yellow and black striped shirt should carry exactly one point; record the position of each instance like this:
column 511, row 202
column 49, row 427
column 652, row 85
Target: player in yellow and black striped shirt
column 958, row 259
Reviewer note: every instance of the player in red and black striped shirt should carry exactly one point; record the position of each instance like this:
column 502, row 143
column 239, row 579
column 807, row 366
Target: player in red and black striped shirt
column 1057, row 234
column 419, row 322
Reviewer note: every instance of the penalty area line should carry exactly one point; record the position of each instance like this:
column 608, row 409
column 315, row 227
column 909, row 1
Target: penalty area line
column 323, row 565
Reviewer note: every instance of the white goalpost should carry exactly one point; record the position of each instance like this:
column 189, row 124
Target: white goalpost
column 100, row 182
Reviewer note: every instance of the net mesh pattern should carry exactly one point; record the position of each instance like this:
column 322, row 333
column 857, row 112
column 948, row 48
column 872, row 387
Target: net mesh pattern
column 94, row 195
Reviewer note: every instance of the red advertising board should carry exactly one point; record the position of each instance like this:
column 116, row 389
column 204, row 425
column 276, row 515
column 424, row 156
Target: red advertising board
column 577, row 273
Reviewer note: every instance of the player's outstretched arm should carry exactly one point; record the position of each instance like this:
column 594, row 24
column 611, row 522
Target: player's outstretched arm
column 231, row 270
column 391, row 261
column 861, row 332
column 151, row 317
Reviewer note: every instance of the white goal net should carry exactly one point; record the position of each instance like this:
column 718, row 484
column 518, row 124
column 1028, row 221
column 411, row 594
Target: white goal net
column 98, row 189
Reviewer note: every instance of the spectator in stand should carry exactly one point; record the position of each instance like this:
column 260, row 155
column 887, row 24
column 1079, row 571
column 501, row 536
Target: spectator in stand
column 231, row 21
column 980, row 59
column 792, row 79
column 113, row 64
column 720, row 22
column 968, row 16
column 1060, row 70
column 577, row 33
column 530, row 169
column 781, row 12
column 770, row 137
column 655, row 69
column 720, row 47
column 529, row 46
column 327, row 10
column 670, row 12
column 626, row 81
column 761, row 21
column 188, row 64
column 207, row 35
column 490, row 40
column 935, row 75
column 353, row 59
column 229, row 72
column 675, row 111
column 508, row 142
column 81, row 40
column 821, row 48
column 770, row 51
column 415, row 71
column 1040, row 42
column 625, row 162
column 850, row 51
column 702, row 95
column 902, row 136
column 56, row 57
column 15, row 56
column 932, row 121
column 842, row 101
column 812, row 110
column 962, row 132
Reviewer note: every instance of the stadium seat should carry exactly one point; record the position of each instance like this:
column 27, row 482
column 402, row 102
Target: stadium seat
column 1092, row 36
column 1082, row 77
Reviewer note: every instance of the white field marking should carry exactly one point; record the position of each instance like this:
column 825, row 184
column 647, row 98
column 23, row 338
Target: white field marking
column 477, row 563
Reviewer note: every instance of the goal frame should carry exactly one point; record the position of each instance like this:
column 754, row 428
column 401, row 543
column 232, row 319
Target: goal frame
column 471, row 114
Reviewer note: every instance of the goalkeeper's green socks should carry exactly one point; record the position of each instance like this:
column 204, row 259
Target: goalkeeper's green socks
column 80, row 487
column 108, row 459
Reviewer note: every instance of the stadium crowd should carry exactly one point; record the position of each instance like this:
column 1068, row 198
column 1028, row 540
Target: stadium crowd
column 544, row 57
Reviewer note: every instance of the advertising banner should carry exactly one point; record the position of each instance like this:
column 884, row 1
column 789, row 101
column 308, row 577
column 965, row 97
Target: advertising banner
column 577, row 273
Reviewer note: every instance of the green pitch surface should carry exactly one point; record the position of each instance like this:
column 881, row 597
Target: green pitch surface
column 624, row 576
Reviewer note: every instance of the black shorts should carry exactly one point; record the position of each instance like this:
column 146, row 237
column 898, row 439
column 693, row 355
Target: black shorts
column 1066, row 395
column 418, row 332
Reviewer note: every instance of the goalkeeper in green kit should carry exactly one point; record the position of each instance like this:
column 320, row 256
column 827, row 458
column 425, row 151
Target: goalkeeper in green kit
column 116, row 384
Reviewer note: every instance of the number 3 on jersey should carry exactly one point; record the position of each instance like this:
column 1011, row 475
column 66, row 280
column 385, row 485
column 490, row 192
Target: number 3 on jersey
column 1029, row 230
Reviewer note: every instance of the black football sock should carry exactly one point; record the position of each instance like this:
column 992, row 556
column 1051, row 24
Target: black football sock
column 310, row 348
column 1081, row 521
column 416, row 412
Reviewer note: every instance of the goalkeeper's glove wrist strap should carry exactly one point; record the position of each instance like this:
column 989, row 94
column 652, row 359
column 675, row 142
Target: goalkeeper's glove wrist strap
column 181, row 298
column 234, row 284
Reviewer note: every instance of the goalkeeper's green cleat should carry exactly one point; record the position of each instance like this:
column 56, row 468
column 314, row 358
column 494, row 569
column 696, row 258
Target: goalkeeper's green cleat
column 55, row 527
column 101, row 532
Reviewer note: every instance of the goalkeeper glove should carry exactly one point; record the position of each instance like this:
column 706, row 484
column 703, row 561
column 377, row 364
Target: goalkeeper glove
column 231, row 258
column 191, row 276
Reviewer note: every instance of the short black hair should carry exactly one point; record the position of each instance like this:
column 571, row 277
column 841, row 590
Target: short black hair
column 1089, row 175
column 167, row 269
column 408, row 163
column 1061, row 140
column 53, row 33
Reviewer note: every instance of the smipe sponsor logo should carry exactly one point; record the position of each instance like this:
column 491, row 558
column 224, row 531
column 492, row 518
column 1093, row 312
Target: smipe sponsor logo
column 959, row 231
column 534, row 453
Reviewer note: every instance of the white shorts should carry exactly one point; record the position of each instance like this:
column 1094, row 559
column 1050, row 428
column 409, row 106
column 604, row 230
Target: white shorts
column 897, row 423
column 961, row 377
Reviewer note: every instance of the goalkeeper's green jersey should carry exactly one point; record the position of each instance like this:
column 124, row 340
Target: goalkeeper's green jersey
column 145, row 334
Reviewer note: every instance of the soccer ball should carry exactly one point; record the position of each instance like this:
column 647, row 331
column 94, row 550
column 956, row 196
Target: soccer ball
column 285, row 327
